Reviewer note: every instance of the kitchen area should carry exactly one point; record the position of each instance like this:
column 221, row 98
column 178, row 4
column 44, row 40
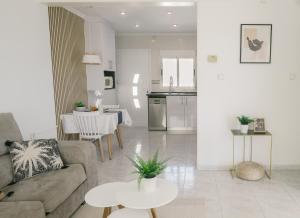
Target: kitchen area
column 168, row 111
column 157, row 81
column 158, row 87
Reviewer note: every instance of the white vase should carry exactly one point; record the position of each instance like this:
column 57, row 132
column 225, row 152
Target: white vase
column 244, row 129
column 148, row 185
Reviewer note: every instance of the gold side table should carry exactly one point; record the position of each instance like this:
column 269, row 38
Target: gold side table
column 251, row 134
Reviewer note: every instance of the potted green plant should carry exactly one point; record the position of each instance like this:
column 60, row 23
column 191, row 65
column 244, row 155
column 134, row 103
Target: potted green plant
column 148, row 170
column 80, row 106
column 245, row 121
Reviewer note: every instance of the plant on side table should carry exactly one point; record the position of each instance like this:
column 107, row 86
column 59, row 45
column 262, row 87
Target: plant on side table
column 79, row 106
column 148, row 170
column 245, row 121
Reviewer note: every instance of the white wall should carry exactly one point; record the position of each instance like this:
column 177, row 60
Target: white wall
column 156, row 44
column 258, row 90
column 100, row 38
column 26, row 84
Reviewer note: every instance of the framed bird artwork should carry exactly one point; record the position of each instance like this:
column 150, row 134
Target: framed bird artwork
column 256, row 43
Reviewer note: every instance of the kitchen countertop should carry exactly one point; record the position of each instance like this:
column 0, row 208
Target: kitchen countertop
column 163, row 94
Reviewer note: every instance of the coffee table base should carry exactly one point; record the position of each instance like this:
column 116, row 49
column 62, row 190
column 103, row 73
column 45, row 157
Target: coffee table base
column 107, row 211
column 153, row 212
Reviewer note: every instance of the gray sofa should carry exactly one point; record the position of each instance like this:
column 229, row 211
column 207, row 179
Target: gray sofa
column 53, row 194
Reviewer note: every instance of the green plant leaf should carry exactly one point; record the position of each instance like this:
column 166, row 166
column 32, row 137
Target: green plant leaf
column 148, row 168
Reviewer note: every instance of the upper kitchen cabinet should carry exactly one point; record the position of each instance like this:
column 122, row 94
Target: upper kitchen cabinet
column 108, row 47
column 100, row 39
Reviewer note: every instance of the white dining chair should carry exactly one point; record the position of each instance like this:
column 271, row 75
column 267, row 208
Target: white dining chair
column 88, row 125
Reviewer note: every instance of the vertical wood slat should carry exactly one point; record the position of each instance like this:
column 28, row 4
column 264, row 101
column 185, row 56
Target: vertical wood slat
column 67, row 47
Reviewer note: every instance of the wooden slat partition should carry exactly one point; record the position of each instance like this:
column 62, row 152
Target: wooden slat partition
column 67, row 49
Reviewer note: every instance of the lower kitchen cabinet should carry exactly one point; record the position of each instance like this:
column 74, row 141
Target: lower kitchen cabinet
column 181, row 112
column 191, row 112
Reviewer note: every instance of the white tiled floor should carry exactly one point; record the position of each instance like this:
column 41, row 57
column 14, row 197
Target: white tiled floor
column 215, row 191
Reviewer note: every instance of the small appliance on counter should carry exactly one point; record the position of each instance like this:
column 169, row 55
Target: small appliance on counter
column 109, row 80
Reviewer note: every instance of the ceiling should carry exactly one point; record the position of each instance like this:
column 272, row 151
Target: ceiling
column 144, row 17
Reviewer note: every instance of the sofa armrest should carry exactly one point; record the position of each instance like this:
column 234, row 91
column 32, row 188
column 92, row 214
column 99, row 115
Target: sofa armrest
column 22, row 209
column 84, row 153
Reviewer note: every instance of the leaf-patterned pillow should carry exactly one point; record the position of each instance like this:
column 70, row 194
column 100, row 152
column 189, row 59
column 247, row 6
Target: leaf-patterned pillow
column 30, row 158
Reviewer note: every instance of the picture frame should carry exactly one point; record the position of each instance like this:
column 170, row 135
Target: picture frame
column 255, row 43
column 259, row 125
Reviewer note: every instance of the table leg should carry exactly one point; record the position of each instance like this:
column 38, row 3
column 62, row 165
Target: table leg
column 121, row 206
column 101, row 150
column 106, row 212
column 109, row 143
column 233, row 167
column 244, row 148
column 251, row 148
column 119, row 136
column 271, row 156
column 153, row 212
column 270, row 169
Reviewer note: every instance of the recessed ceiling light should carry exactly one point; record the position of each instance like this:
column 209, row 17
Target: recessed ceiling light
column 176, row 4
column 137, row 25
column 175, row 25
column 169, row 12
column 123, row 13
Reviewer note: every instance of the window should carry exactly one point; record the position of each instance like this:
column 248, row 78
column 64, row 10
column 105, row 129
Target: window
column 169, row 69
column 180, row 69
column 186, row 72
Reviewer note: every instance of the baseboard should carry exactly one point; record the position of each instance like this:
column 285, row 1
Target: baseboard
column 227, row 167
column 184, row 132
column 213, row 168
column 286, row 167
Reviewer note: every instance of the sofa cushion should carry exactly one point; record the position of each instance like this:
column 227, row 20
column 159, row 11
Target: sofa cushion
column 51, row 188
column 9, row 130
column 6, row 175
column 30, row 158
column 22, row 209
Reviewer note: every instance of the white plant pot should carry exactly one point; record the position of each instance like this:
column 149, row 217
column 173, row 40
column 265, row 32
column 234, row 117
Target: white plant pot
column 244, row 129
column 148, row 185
column 80, row 109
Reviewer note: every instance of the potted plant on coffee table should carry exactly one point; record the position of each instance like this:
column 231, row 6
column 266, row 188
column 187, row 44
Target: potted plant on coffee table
column 80, row 106
column 148, row 170
column 245, row 121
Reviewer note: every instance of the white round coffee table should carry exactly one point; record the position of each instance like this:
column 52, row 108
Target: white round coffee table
column 104, row 196
column 130, row 197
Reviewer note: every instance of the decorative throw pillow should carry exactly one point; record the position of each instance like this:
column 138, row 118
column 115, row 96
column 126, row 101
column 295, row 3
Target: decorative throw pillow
column 30, row 158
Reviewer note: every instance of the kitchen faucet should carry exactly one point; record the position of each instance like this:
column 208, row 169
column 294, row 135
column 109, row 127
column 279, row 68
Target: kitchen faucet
column 171, row 84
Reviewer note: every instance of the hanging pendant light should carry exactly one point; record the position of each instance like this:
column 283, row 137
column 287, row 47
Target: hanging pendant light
column 89, row 57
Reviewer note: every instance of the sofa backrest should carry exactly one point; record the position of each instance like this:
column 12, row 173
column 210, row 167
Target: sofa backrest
column 9, row 130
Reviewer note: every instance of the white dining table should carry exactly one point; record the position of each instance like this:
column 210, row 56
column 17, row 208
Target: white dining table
column 108, row 122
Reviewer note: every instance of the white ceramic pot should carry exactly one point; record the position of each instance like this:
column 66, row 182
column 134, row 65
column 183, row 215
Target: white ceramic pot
column 80, row 109
column 244, row 129
column 148, row 185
